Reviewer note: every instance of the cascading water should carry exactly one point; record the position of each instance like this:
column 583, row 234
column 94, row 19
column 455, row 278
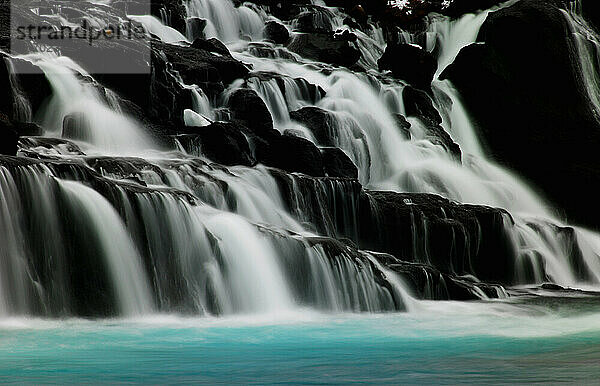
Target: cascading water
column 102, row 125
column 226, row 22
column 171, row 232
column 123, row 261
column 416, row 165
column 182, row 236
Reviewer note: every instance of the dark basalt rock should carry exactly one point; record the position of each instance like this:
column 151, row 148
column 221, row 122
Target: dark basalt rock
column 122, row 166
column 337, row 164
column 160, row 95
column 195, row 27
column 350, row 22
column 325, row 127
column 524, row 90
column 454, row 238
column 21, row 128
column 66, row 146
column 324, row 47
column 249, row 109
column 436, row 134
column 8, row 138
column 211, row 45
column 221, row 142
column 320, row 123
column 409, row 63
column 28, row 128
column 315, row 19
column 276, row 32
column 419, row 104
column 429, row 283
column 202, row 67
column 427, row 229
column 290, row 153
column 403, row 125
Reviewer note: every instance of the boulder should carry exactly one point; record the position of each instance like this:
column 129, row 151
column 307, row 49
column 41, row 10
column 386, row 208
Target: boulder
column 409, row 63
column 289, row 153
column 320, row 123
column 350, row 22
column 249, row 109
column 28, row 129
column 436, row 134
column 324, row 47
column 336, row 163
column 276, row 32
column 195, row 28
column 211, row 45
column 525, row 92
column 221, row 142
column 201, row 66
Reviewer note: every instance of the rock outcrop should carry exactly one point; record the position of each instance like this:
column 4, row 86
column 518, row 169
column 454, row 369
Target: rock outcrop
column 525, row 90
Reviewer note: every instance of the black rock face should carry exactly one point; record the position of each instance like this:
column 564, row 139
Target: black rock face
column 524, row 89
column 454, row 238
column 292, row 154
column 324, row 47
column 248, row 108
column 8, row 139
column 276, row 32
column 221, row 142
column 319, row 121
column 409, row 63
column 418, row 104
column 338, row 164
column 195, row 27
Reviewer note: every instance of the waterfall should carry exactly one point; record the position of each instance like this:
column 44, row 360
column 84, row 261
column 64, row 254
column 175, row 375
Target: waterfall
column 365, row 104
column 77, row 100
column 95, row 220
column 123, row 261
column 226, row 22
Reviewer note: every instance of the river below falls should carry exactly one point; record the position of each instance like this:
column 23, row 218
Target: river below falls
column 444, row 342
